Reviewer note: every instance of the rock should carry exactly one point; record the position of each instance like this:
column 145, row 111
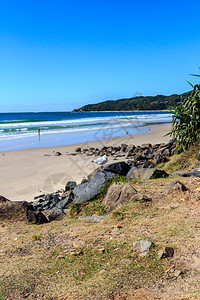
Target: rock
column 177, row 273
column 10, row 210
column 70, row 185
column 145, row 173
column 88, row 190
column 123, row 147
column 120, row 168
column 146, row 146
column 166, row 152
column 159, row 158
column 166, row 252
column 36, row 217
column 78, row 149
column 52, row 214
column 142, row 247
column 175, row 186
column 194, row 173
column 58, row 153
column 84, row 180
column 102, row 271
column 63, row 203
column 119, row 194
column 94, row 218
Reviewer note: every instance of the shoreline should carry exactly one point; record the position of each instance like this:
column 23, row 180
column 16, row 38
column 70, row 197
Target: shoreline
column 27, row 173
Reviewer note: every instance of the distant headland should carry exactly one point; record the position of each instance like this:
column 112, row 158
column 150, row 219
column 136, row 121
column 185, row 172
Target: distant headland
column 159, row 102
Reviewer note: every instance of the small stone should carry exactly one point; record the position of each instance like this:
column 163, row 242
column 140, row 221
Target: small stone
column 58, row 153
column 177, row 273
column 78, row 149
column 142, row 246
column 102, row 271
column 124, row 260
column 166, row 252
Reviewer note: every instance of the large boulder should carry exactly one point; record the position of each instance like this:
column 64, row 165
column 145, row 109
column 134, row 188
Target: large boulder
column 119, row 194
column 145, row 173
column 13, row 211
column 88, row 190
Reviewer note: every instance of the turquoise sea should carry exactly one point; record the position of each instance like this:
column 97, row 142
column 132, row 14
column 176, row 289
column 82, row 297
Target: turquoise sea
column 20, row 130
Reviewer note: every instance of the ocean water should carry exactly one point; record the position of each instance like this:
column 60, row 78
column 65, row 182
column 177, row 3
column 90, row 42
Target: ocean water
column 20, row 130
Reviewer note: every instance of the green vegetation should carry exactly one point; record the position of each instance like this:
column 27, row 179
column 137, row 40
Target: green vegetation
column 159, row 102
column 186, row 120
column 95, row 206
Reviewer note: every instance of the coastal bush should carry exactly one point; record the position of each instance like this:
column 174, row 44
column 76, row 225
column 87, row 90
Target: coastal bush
column 186, row 120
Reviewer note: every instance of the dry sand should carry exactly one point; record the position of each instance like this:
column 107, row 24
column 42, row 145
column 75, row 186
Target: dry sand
column 28, row 173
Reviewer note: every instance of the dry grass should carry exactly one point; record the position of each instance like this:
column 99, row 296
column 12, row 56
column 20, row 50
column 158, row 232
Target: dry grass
column 66, row 259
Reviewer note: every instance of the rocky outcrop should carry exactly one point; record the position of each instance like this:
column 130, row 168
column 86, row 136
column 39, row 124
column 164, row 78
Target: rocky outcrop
column 119, row 194
column 141, row 156
column 145, row 173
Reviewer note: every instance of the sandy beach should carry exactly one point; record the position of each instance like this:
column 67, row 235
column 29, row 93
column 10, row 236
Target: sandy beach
column 30, row 172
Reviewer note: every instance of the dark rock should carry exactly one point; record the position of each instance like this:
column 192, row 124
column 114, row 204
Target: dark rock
column 175, row 186
column 123, row 147
column 146, row 146
column 166, row 252
column 78, row 149
column 58, row 153
column 159, row 158
column 146, row 173
column 120, row 168
column 84, row 180
column 88, row 190
column 70, row 185
column 40, row 196
column 36, row 217
column 194, row 173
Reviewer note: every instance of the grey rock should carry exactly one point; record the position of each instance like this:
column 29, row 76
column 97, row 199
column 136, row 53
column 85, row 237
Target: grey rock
column 145, row 173
column 63, row 203
column 142, row 246
column 52, row 214
column 88, row 190
column 166, row 152
column 175, row 186
column 119, row 194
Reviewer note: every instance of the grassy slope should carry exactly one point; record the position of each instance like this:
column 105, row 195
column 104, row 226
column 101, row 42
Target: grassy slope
column 63, row 259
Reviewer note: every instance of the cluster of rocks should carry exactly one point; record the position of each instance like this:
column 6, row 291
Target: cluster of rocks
column 144, row 156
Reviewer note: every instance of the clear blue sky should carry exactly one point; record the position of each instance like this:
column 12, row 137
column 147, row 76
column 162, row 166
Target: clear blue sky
column 59, row 55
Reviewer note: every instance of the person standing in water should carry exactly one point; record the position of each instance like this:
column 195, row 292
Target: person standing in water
column 39, row 134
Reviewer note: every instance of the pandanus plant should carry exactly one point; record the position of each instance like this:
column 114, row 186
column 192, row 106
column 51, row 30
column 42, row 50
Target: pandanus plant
column 186, row 120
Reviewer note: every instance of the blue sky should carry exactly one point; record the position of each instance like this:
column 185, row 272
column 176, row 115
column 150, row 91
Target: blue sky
column 60, row 55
